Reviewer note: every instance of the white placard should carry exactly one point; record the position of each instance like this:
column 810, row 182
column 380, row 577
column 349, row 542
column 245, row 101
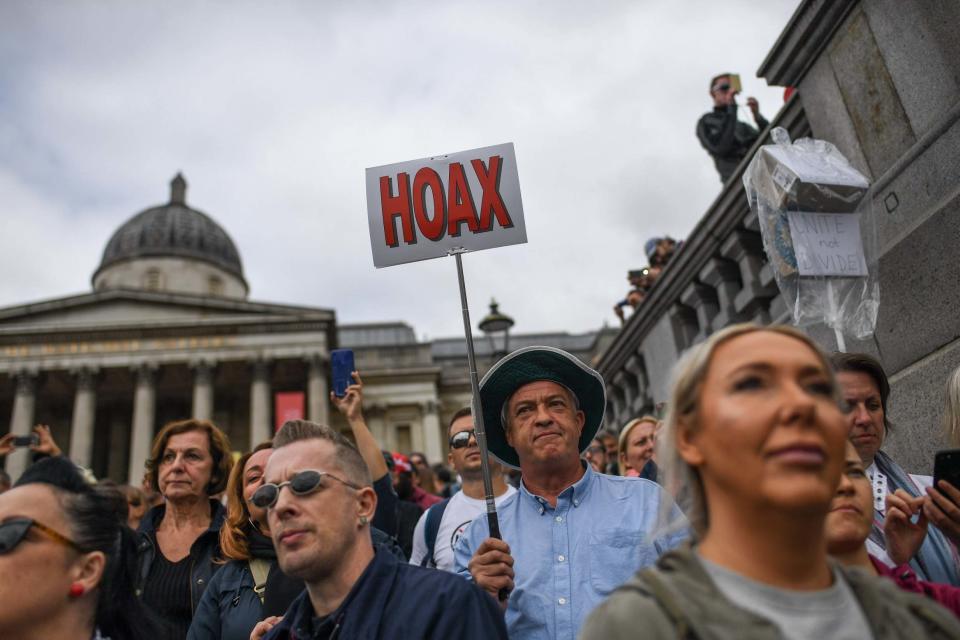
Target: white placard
column 811, row 167
column 827, row 244
column 421, row 209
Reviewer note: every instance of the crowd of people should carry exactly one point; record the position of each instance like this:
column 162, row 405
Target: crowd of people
column 761, row 504
column 658, row 251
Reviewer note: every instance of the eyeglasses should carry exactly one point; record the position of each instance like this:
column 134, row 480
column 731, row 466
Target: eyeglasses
column 301, row 484
column 722, row 87
column 595, row 450
column 461, row 439
column 12, row 533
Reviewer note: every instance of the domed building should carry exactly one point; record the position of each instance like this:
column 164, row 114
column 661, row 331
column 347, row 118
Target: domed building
column 168, row 333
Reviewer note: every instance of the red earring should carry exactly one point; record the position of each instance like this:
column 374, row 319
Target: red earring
column 76, row 590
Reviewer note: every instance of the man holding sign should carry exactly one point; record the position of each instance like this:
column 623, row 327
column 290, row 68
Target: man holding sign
column 569, row 535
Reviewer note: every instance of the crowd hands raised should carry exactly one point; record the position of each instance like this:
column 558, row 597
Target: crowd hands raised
column 760, row 505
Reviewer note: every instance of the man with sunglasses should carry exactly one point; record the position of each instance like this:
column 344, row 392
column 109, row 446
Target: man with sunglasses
column 442, row 525
column 320, row 502
column 725, row 138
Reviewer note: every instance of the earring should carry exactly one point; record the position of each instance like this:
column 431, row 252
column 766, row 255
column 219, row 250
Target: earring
column 363, row 520
column 76, row 590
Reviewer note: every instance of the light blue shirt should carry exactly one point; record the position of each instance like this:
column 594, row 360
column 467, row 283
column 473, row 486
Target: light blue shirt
column 567, row 559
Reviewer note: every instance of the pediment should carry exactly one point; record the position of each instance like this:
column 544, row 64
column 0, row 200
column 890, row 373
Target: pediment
column 123, row 309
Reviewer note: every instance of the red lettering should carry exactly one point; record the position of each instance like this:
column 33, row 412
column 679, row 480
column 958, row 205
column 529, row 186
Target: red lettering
column 460, row 203
column 427, row 177
column 491, row 203
column 396, row 205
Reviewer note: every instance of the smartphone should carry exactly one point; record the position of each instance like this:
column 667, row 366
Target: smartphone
column 31, row 440
column 735, row 82
column 341, row 362
column 946, row 466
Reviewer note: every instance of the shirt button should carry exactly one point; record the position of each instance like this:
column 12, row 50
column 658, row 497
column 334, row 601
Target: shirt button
column 559, row 518
column 576, row 503
column 541, row 510
column 561, row 558
column 562, row 601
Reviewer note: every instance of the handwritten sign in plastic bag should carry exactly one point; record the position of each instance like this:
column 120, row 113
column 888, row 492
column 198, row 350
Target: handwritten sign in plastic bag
column 820, row 242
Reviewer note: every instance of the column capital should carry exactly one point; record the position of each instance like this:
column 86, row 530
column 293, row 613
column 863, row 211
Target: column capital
column 202, row 364
column 86, row 377
column 145, row 371
column 27, row 379
column 261, row 367
column 429, row 406
column 317, row 361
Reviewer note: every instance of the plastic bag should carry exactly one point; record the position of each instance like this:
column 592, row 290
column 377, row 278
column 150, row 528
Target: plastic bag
column 821, row 245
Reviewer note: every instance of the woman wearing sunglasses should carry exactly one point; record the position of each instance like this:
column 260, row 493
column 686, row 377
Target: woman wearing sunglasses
column 756, row 437
column 67, row 559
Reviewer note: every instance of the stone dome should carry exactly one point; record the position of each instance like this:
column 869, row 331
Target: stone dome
column 173, row 230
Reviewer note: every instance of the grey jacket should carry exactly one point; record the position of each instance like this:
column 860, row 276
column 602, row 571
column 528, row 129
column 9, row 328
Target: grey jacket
column 677, row 599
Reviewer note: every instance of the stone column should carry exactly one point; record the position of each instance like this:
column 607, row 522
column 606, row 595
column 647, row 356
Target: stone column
column 374, row 415
column 432, row 438
column 203, row 390
column 260, row 427
column 84, row 412
column 144, row 413
column 318, row 407
column 24, row 404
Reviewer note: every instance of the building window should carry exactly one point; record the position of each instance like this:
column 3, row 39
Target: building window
column 151, row 280
column 215, row 286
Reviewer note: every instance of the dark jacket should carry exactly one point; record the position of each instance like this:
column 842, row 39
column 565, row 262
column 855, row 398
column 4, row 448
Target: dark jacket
column 202, row 553
column 726, row 139
column 393, row 600
column 678, row 599
column 229, row 609
column 904, row 577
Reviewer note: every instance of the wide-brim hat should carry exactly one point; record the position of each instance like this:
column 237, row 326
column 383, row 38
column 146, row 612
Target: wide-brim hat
column 531, row 364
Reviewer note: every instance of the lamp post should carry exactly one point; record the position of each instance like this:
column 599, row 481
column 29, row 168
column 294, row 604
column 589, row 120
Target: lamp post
column 494, row 324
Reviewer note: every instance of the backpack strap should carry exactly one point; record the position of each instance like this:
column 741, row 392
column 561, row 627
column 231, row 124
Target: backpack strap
column 260, row 569
column 430, row 530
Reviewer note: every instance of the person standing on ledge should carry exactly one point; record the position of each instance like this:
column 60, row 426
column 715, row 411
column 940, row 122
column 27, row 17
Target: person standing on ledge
column 725, row 138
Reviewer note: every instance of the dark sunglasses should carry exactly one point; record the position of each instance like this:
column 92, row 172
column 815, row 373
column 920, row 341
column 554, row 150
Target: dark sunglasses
column 461, row 439
column 722, row 87
column 12, row 533
column 301, row 484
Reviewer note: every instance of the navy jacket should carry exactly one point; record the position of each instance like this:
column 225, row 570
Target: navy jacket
column 394, row 600
column 203, row 551
column 229, row 609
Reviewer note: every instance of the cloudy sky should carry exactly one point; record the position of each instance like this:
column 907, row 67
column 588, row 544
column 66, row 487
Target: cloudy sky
column 273, row 110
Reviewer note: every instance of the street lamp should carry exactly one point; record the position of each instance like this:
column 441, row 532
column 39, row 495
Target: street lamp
column 496, row 323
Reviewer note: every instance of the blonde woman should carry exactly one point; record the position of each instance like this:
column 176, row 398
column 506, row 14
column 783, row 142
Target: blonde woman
column 636, row 446
column 756, row 437
column 951, row 409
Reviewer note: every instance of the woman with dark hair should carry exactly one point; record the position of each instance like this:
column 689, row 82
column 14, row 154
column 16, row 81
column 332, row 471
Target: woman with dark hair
column 68, row 560
column 180, row 540
column 755, row 437
column 866, row 391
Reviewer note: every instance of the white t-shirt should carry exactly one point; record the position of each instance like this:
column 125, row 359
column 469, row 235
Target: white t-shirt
column 460, row 512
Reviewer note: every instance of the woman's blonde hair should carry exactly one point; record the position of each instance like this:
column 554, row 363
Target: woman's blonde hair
column 679, row 478
column 951, row 408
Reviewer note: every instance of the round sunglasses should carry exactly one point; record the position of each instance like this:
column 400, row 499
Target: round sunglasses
column 301, row 484
column 461, row 439
column 12, row 533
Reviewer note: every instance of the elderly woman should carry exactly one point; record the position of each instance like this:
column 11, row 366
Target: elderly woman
column 68, row 560
column 756, row 434
column 849, row 524
column 865, row 389
column 635, row 448
column 180, row 540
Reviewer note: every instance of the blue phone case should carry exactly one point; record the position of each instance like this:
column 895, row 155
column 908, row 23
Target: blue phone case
column 341, row 361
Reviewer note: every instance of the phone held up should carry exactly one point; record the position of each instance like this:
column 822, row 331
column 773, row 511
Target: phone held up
column 341, row 361
column 31, row 440
column 946, row 466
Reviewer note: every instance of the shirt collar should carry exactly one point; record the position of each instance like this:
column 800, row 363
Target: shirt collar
column 575, row 494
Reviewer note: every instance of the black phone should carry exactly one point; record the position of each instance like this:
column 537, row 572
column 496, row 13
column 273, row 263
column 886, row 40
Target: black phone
column 341, row 362
column 31, row 440
column 946, row 466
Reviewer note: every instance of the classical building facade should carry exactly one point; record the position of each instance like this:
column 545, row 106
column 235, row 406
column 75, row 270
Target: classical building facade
column 168, row 332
